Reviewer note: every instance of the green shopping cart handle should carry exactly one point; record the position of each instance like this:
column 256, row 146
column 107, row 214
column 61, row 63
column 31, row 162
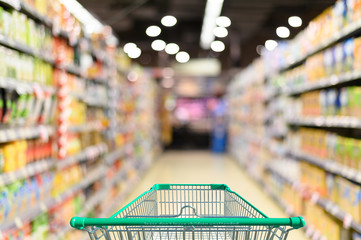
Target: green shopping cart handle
column 81, row 222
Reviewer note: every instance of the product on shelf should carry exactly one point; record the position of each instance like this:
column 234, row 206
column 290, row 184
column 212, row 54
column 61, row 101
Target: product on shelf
column 17, row 26
column 327, row 145
column 16, row 155
column 20, row 196
column 66, row 178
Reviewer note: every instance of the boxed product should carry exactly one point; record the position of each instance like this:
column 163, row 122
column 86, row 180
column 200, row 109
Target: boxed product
column 348, row 59
column 357, row 53
column 356, row 236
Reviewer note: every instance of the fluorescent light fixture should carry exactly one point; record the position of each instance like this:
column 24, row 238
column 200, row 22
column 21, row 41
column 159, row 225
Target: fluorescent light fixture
column 168, row 21
column 271, row 45
column 158, row 45
column 220, row 32
column 135, row 53
column 129, row 46
column 223, row 21
column 182, row 57
column 295, row 21
column 90, row 23
column 283, row 32
column 153, row 31
column 212, row 12
column 217, row 46
column 171, row 48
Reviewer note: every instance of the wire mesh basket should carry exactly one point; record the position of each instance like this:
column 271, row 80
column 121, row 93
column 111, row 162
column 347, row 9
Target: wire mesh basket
column 188, row 212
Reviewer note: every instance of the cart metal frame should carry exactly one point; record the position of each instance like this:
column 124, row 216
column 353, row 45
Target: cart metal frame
column 188, row 212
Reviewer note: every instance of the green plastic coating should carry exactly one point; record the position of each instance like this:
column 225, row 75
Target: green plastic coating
column 81, row 222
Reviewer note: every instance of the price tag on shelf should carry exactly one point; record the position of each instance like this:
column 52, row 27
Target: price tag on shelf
column 358, row 177
column 3, row 137
column 24, row 172
column 43, row 207
column 18, row 222
column 31, row 169
column 12, row 176
column 314, row 198
column 12, row 134
column 44, row 134
column 2, row 183
column 347, row 221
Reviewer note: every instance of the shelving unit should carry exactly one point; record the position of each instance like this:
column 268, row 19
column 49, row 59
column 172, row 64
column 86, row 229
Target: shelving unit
column 346, row 32
column 309, row 94
column 30, row 170
column 89, row 144
column 327, row 205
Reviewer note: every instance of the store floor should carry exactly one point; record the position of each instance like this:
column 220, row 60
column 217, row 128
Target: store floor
column 204, row 167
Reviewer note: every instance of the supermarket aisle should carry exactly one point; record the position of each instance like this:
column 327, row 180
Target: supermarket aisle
column 204, row 167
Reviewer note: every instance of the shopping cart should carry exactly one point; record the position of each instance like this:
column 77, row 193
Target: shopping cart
column 188, row 212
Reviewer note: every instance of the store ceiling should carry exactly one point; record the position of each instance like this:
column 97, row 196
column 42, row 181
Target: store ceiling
column 253, row 22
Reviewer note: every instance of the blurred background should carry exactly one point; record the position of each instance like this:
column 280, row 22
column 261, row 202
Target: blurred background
column 99, row 100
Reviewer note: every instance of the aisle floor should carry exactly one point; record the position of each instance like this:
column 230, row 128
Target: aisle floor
column 205, row 167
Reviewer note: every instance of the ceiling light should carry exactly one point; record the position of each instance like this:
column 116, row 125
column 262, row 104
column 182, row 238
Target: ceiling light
column 217, row 46
column 295, row 21
column 158, row 45
column 168, row 21
column 212, row 12
column 271, row 45
column 223, row 21
column 171, row 48
column 220, row 32
column 134, row 52
column 283, row 32
column 182, row 57
column 153, row 31
column 129, row 46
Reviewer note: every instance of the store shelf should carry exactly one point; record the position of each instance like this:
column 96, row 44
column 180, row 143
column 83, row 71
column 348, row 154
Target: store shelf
column 19, row 133
column 96, row 103
column 91, row 152
column 15, row 4
column 87, row 127
column 89, row 205
column 346, row 32
column 324, row 83
column 121, row 196
column 309, row 230
column 328, row 165
column 119, row 153
column 330, row 207
column 331, row 122
column 29, row 11
column 271, row 94
column 70, row 68
column 5, row 41
column 22, row 86
column 26, row 172
column 41, row 207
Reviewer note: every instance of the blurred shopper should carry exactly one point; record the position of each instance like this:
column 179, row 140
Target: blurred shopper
column 219, row 127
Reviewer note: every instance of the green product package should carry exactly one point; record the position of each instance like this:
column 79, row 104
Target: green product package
column 21, row 109
column 349, row 151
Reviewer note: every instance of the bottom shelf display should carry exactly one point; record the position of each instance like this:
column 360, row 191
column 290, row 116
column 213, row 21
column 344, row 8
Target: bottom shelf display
column 325, row 218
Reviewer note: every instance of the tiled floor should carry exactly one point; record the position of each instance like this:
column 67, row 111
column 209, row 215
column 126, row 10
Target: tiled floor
column 204, row 167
